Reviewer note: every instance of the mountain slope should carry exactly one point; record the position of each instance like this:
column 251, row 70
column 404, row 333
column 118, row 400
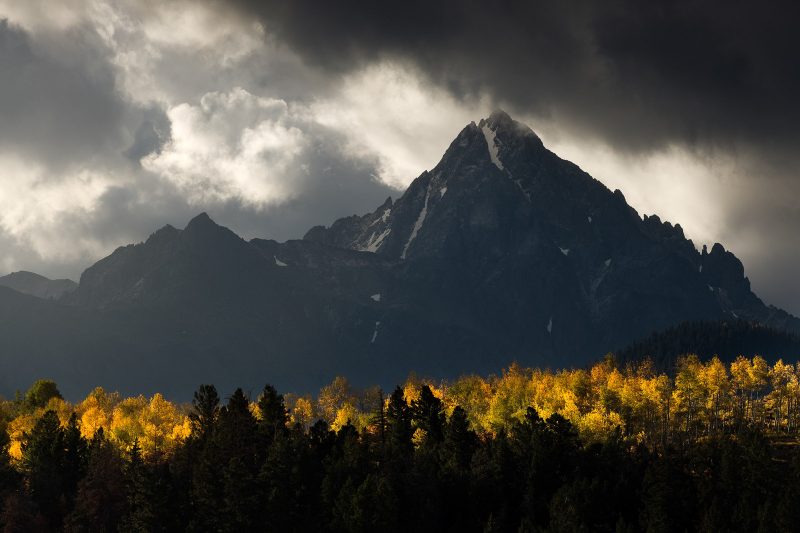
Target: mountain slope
column 36, row 285
column 501, row 252
column 549, row 250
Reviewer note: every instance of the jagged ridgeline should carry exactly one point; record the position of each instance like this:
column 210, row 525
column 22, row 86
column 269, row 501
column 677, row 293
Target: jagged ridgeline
column 501, row 252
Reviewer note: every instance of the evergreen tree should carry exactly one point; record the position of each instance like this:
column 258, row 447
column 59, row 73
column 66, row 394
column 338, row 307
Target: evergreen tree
column 101, row 500
column 274, row 416
column 667, row 496
column 41, row 392
column 8, row 475
column 398, row 421
column 428, row 414
column 75, row 460
column 205, row 408
column 459, row 442
column 148, row 497
column 42, row 462
column 281, row 481
column 235, row 445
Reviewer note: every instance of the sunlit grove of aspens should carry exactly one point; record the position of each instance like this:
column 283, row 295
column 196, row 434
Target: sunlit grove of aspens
column 602, row 448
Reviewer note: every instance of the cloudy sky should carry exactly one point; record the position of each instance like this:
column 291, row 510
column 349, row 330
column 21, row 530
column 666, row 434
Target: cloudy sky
column 120, row 116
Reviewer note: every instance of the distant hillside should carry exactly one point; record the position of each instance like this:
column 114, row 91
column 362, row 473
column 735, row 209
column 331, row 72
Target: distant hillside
column 36, row 285
column 725, row 339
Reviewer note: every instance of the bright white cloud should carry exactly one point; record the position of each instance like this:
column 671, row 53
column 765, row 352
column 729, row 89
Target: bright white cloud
column 231, row 145
column 676, row 184
column 390, row 110
column 32, row 209
column 41, row 15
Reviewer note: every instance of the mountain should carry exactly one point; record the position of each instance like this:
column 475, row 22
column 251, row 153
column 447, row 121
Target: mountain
column 36, row 285
column 549, row 254
column 501, row 252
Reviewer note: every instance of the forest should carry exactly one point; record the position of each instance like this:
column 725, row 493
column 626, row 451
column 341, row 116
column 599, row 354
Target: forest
column 708, row 446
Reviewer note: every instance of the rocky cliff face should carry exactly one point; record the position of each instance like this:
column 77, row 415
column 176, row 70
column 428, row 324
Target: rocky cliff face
column 501, row 252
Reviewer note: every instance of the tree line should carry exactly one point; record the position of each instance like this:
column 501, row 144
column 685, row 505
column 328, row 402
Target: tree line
column 710, row 448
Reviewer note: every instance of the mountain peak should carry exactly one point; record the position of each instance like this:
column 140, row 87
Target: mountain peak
column 498, row 117
column 501, row 123
column 166, row 234
column 201, row 221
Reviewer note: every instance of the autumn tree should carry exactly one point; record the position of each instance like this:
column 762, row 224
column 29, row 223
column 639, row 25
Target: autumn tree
column 715, row 382
column 689, row 392
column 780, row 377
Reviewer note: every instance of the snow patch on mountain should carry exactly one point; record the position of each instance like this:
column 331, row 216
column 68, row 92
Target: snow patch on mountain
column 442, row 191
column 384, row 217
column 375, row 241
column 279, row 262
column 417, row 225
column 376, row 297
column 564, row 251
column 550, row 325
column 375, row 333
column 491, row 142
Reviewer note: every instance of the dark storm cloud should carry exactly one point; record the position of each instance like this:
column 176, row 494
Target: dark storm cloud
column 719, row 78
column 64, row 102
column 150, row 135
column 637, row 73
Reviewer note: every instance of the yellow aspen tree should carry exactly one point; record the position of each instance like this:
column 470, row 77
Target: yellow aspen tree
column 688, row 393
column 159, row 422
column 473, row 394
column 17, row 429
column 126, row 421
column 512, row 397
column 780, row 376
column 332, row 397
column 302, row 412
column 759, row 375
column 741, row 379
column 716, row 384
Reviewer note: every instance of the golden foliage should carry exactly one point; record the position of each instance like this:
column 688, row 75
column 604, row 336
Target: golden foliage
column 703, row 398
